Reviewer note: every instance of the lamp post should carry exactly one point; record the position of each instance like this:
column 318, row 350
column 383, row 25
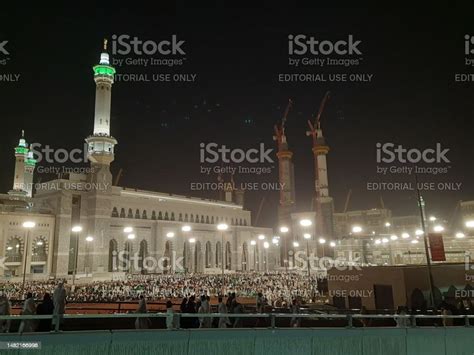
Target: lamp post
column 262, row 238
column 307, row 236
column 130, row 237
column 186, row 229
column 28, row 226
column 284, row 230
column 89, row 240
column 222, row 227
column 76, row 230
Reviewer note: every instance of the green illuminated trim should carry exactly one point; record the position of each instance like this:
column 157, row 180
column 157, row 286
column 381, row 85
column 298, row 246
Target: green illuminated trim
column 30, row 162
column 21, row 150
column 104, row 70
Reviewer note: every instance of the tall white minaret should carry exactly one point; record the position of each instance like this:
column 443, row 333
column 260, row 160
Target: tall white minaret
column 21, row 153
column 101, row 144
column 30, row 164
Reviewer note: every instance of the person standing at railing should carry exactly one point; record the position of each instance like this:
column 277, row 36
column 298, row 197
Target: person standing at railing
column 29, row 308
column 170, row 316
column 204, row 308
column 46, row 307
column 59, row 300
column 222, row 308
column 295, row 309
column 403, row 321
column 142, row 322
column 5, row 308
column 182, row 308
column 237, row 308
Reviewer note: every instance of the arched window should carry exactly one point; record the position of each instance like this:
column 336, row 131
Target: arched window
column 191, row 219
column 228, row 261
column 212, row 220
column 245, row 222
column 166, row 216
column 153, row 215
column 113, row 256
column 245, row 257
column 144, row 216
column 172, row 216
column 186, row 256
column 207, row 219
column 128, row 251
column 160, row 215
column 218, row 255
column 137, row 214
column 186, row 217
column 14, row 250
column 197, row 257
column 180, row 218
column 115, row 212
column 208, row 255
column 202, row 219
column 130, row 213
column 167, row 258
column 142, row 254
column 232, row 221
column 39, row 251
column 122, row 213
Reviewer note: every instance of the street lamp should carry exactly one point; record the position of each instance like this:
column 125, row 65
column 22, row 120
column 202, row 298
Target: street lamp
column 393, row 237
column 128, row 230
column 76, row 229
column 405, row 235
column 89, row 240
column 284, row 230
column 261, row 237
column 460, row 235
column 332, row 244
column 305, row 222
column 170, row 235
column 307, row 236
column 387, row 224
column 356, row 229
column 470, row 224
column 192, row 240
column 28, row 225
column 418, row 232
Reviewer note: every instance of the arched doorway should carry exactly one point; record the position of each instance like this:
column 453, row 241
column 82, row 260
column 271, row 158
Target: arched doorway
column 245, row 257
column 113, row 257
column 142, row 254
column 197, row 257
column 167, row 258
column 218, row 254
column 208, row 255
column 228, row 260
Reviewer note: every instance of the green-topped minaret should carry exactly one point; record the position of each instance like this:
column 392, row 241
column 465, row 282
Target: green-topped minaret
column 101, row 144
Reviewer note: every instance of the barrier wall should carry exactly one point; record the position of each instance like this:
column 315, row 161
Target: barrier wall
column 316, row 341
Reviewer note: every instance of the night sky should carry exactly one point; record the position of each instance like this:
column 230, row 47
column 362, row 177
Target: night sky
column 237, row 54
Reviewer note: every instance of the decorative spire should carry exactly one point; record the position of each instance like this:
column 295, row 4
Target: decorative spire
column 105, row 44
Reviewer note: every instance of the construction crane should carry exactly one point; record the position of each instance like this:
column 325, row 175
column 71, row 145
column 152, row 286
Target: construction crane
column 117, row 178
column 280, row 129
column 348, row 198
column 313, row 128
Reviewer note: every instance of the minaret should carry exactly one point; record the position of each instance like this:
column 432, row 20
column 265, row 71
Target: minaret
column 287, row 189
column 21, row 153
column 322, row 203
column 30, row 164
column 101, row 143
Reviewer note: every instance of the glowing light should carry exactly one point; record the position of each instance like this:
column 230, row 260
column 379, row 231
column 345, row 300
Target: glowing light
column 76, row 229
column 414, row 241
column 384, row 240
column 40, row 243
column 387, row 224
column 405, row 235
column 418, row 232
column 261, row 237
column 104, row 70
column 322, row 240
column 307, row 236
column 378, row 241
column 393, row 237
column 186, row 228
column 253, row 242
column 222, row 227
column 275, row 240
column 170, row 234
column 284, row 229
column 29, row 224
column 89, row 239
column 460, row 235
column 306, row 222
column 296, row 244
column 356, row 229
column 470, row 224
column 192, row 240
column 438, row 228
column 332, row 244
column 432, row 218
column 128, row 230
column 131, row 236
column 266, row 245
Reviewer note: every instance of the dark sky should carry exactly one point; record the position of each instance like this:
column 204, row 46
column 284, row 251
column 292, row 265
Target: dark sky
column 237, row 55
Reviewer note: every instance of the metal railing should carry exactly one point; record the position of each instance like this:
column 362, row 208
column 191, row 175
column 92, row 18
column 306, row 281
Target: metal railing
column 349, row 318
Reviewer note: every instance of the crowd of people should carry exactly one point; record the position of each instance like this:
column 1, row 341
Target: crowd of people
column 277, row 288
